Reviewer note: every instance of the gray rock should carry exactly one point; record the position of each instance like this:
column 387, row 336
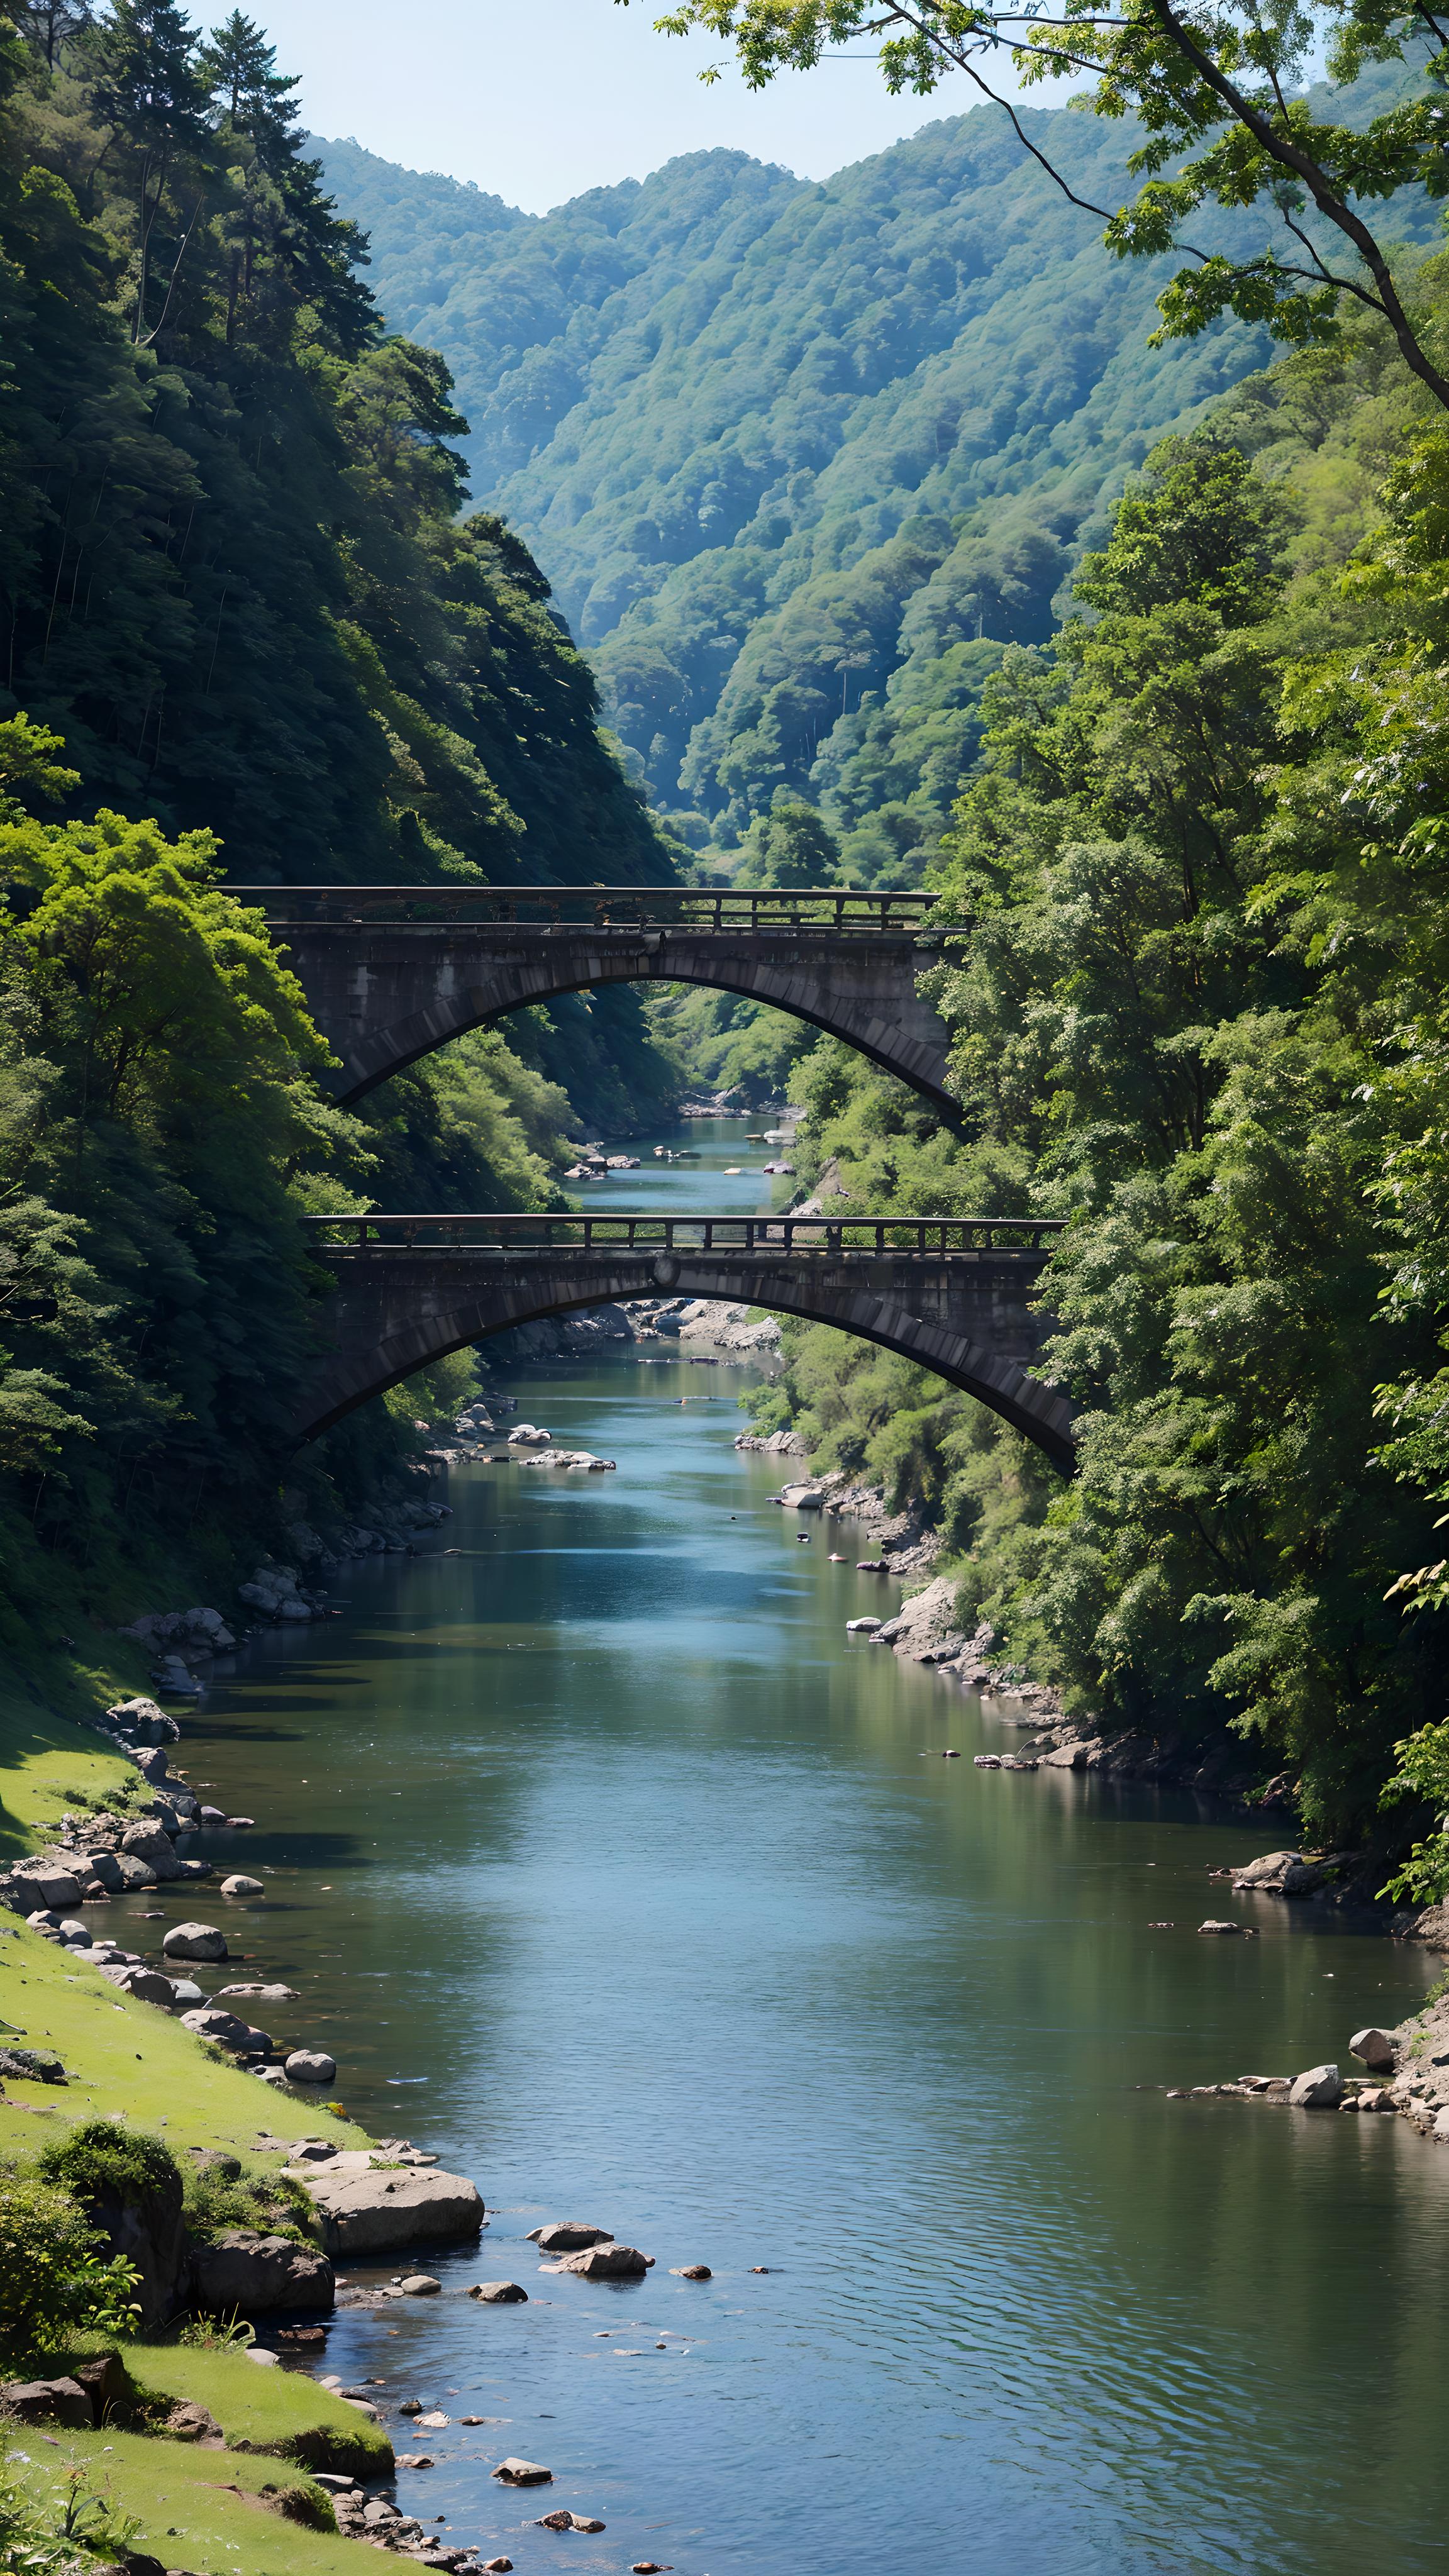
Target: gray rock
column 567, row 2236
column 311, row 2066
column 194, row 1941
column 1374, row 2049
column 238, row 1885
column 46, row 1886
column 151, row 1844
column 146, row 1984
column 499, row 2294
column 210, row 2022
column 606, row 2263
column 1319, row 2089
column 103, row 1865
column 48, row 2401
column 367, row 2212
column 1303, row 1877
column 1212, row 1926
column 188, row 2422
column 242, row 2269
column 74, row 1932
column 185, row 1991
column 523, row 2473
column 419, row 2285
column 1267, row 1871
column 137, row 1873
column 261, row 1995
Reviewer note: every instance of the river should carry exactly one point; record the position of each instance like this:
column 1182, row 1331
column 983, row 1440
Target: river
column 613, row 1871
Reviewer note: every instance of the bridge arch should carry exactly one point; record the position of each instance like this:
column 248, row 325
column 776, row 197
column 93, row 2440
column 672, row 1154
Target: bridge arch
column 390, row 974
column 396, row 1309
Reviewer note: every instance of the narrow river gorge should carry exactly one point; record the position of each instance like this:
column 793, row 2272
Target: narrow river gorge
column 612, row 1871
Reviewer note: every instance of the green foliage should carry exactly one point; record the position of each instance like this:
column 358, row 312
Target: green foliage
column 1200, row 1012
column 43, row 2527
column 217, row 2334
column 274, row 2204
column 108, row 2156
column 52, row 2282
column 234, row 572
column 1423, row 1772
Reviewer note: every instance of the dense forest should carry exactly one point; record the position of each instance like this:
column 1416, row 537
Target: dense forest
column 1200, row 1012
column 800, row 459
column 248, row 634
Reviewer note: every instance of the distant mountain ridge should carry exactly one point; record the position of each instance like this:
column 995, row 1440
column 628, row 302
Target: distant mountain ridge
column 800, row 457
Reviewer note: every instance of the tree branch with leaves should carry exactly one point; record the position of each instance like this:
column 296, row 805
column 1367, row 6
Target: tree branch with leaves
column 1218, row 92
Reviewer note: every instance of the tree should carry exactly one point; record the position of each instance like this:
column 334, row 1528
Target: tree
column 790, row 846
column 150, row 92
column 1215, row 83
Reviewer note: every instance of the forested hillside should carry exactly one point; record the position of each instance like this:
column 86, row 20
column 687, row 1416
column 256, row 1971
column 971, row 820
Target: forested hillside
column 799, row 459
column 248, row 633
column 1200, row 1012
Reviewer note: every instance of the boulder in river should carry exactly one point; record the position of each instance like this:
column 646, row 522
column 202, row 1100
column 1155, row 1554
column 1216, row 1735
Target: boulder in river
column 1268, row 1871
column 523, row 2473
column 1374, row 2049
column 239, row 1885
column 258, row 1994
column 861, row 1627
column 606, row 2263
column 499, row 2294
column 194, row 1941
column 137, row 1873
column 1319, row 2089
column 311, row 2066
column 366, row 2209
column 1213, row 1926
column 569, row 2236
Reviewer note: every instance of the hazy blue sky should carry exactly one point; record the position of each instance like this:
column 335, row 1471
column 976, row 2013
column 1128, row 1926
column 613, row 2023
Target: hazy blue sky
column 537, row 99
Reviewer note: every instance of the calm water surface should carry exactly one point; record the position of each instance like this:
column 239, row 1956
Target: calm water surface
column 610, row 1869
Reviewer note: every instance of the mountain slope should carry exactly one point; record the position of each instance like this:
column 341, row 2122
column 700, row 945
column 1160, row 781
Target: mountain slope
column 796, row 455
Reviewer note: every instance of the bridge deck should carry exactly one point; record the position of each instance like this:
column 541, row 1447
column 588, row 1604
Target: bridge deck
column 845, row 910
column 927, row 1238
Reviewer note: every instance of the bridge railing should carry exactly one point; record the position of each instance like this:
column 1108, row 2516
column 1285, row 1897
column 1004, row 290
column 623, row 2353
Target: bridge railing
column 934, row 1238
column 837, row 909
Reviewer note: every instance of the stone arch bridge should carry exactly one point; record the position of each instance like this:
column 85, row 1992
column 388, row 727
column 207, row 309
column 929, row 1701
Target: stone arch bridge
column 953, row 1293
column 392, row 971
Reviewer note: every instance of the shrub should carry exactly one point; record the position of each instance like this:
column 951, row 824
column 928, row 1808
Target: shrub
column 275, row 2204
column 41, row 2532
column 105, row 2156
column 51, row 2280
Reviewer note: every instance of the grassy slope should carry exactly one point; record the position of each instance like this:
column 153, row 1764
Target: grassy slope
column 193, row 2506
column 49, row 1759
column 257, row 2408
column 131, row 2057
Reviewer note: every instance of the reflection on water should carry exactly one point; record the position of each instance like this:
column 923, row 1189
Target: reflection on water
column 723, row 1170
column 653, row 1904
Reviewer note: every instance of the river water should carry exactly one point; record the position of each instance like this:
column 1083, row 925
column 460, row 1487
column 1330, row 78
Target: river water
column 611, row 1870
